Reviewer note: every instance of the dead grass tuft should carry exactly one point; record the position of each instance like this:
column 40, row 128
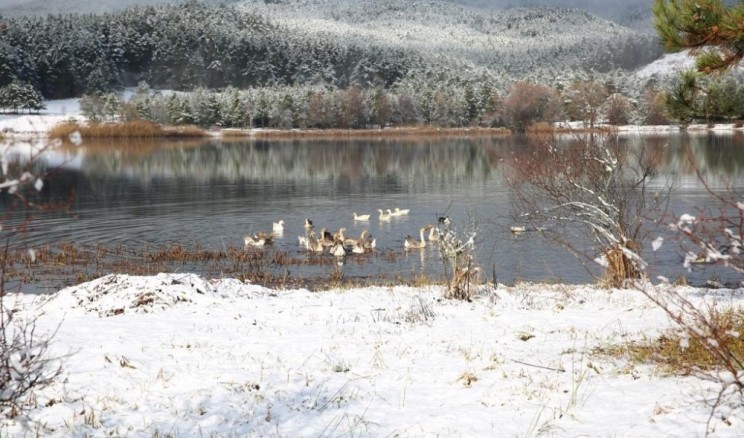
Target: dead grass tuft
column 185, row 131
column 684, row 356
column 620, row 268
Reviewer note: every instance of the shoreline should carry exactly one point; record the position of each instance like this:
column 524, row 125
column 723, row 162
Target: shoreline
column 35, row 127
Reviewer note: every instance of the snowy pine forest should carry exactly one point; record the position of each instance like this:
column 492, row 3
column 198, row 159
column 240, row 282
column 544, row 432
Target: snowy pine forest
column 330, row 43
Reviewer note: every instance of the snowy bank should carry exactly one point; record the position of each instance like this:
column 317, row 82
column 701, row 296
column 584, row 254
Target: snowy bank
column 178, row 355
column 38, row 125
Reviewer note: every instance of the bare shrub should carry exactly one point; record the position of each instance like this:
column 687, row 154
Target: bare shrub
column 528, row 103
column 591, row 187
column 713, row 235
column 25, row 363
column 458, row 256
column 705, row 329
column 711, row 337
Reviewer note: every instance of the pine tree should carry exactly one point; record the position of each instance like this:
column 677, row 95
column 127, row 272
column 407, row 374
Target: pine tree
column 698, row 24
column 17, row 97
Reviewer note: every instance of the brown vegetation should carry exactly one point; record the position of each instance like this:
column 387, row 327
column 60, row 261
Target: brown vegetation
column 66, row 264
column 133, row 129
column 412, row 131
column 683, row 356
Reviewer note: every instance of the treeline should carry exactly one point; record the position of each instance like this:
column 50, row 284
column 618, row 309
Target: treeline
column 183, row 47
column 694, row 97
column 519, row 107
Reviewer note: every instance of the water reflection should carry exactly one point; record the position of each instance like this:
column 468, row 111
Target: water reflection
column 215, row 192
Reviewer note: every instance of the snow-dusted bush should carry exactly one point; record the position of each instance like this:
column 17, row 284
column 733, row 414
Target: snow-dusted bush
column 25, row 363
column 594, row 187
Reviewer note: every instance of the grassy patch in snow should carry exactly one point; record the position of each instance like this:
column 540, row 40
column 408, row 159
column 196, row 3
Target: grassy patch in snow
column 679, row 355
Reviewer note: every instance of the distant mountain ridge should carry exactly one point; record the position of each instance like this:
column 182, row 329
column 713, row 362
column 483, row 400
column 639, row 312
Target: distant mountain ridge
column 538, row 42
column 515, row 40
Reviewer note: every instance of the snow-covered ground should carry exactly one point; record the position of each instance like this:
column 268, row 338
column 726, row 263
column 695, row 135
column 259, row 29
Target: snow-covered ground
column 175, row 355
column 670, row 64
column 37, row 125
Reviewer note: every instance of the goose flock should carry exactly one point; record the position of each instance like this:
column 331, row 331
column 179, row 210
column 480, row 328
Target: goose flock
column 338, row 244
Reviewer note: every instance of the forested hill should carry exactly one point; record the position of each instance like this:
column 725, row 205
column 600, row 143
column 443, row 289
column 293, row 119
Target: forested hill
column 336, row 43
column 182, row 47
column 517, row 40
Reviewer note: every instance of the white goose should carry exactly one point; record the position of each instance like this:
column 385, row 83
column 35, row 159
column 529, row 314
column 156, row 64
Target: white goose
column 411, row 243
column 313, row 244
column 278, row 227
column 338, row 249
column 254, row 241
column 366, row 241
column 361, row 217
column 326, row 237
column 399, row 212
column 384, row 217
column 339, row 235
column 259, row 239
column 358, row 247
column 433, row 233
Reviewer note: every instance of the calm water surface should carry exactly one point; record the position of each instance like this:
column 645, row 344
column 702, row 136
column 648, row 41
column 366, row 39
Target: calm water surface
column 214, row 192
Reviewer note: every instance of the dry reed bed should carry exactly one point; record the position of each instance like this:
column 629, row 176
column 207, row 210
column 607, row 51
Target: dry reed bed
column 66, row 264
column 422, row 132
column 134, row 129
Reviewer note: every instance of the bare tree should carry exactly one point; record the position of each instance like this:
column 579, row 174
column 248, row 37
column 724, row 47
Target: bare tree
column 592, row 187
column 586, row 99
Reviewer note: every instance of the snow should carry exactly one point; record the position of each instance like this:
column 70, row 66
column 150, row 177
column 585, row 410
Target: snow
column 175, row 354
column 669, row 64
column 36, row 125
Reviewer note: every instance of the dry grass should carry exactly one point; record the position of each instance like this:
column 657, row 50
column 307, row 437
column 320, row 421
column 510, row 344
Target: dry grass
column 134, row 129
column 543, row 128
column 619, row 268
column 667, row 351
column 185, row 131
column 414, row 131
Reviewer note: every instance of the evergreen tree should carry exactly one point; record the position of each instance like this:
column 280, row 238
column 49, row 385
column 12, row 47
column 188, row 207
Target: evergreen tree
column 694, row 24
column 17, row 97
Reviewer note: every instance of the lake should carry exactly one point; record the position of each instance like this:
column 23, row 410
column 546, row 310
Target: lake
column 214, row 192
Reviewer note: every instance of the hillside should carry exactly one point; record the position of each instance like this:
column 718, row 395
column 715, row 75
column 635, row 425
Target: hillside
column 495, row 35
column 515, row 40
column 416, row 45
